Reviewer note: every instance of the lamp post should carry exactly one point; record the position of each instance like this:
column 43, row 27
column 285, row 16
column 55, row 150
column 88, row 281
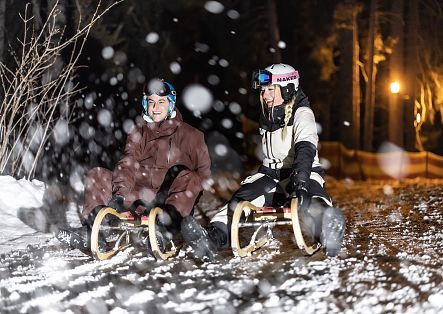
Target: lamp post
column 395, row 127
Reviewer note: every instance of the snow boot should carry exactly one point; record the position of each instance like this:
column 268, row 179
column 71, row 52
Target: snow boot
column 218, row 233
column 198, row 238
column 307, row 225
column 162, row 237
column 311, row 218
column 333, row 229
column 169, row 221
column 35, row 217
column 76, row 238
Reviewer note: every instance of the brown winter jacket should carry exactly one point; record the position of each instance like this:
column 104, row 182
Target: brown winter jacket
column 151, row 149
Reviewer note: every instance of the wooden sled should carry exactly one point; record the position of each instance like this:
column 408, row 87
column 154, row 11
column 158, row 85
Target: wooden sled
column 113, row 232
column 262, row 220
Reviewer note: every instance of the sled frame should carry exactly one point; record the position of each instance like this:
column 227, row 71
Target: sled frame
column 266, row 217
column 127, row 226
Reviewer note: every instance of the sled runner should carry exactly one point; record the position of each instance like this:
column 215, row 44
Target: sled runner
column 113, row 232
column 259, row 222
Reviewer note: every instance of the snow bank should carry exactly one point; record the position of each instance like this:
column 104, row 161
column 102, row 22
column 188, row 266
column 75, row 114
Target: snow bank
column 13, row 195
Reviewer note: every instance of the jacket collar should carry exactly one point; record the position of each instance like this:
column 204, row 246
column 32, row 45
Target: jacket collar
column 163, row 128
column 149, row 119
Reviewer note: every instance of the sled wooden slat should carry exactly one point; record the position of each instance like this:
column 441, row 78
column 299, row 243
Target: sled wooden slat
column 261, row 223
column 153, row 214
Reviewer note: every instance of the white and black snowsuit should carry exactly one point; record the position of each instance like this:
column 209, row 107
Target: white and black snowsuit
column 283, row 157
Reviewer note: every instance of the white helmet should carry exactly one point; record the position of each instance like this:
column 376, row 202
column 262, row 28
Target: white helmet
column 280, row 74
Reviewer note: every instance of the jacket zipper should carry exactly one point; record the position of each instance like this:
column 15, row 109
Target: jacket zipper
column 169, row 149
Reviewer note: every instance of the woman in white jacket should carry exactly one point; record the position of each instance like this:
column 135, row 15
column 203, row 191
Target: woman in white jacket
column 290, row 167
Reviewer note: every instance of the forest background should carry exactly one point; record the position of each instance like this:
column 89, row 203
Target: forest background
column 348, row 53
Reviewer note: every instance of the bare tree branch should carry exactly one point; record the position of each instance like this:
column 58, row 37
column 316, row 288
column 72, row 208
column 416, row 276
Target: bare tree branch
column 33, row 88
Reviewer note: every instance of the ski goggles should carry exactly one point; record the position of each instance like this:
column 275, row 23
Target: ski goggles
column 261, row 78
column 160, row 89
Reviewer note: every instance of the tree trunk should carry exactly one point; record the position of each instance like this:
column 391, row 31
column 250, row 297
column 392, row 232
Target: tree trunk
column 55, row 71
column 2, row 28
column 274, row 32
column 356, row 97
column 348, row 106
column 370, row 70
column 412, row 62
column 38, row 22
column 60, row 20
column 395, row 129
column 61, row 6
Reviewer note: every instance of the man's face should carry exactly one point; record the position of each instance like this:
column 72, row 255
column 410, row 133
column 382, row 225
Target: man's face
column 158, row 107
column 272, row 95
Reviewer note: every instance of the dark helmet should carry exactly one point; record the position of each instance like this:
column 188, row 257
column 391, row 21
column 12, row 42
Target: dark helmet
column 279, row 74
column 161, row 88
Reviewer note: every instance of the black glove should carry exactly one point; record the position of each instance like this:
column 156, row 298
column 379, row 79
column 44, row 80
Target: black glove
column 298, row 187
column 116, row 202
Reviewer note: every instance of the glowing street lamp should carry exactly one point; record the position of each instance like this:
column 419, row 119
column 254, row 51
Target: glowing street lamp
column 395, row 87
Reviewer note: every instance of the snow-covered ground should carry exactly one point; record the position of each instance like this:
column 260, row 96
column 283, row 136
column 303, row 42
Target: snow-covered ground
column 15, row 194
column 391, row 263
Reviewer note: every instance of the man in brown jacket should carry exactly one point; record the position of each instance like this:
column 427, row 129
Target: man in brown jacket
column 148, row 169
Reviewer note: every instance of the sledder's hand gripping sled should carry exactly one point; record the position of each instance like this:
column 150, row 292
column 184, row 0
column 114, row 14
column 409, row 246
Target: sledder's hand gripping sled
column 113, row 232
column 246, row 215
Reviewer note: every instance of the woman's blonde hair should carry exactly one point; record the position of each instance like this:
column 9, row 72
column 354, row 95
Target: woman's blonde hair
column 288, row 114
column 288, row 111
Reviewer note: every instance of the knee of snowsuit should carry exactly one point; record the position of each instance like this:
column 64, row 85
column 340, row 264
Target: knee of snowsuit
column 98, row 190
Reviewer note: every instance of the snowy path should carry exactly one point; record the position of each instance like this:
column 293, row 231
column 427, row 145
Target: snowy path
column 391, row 263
